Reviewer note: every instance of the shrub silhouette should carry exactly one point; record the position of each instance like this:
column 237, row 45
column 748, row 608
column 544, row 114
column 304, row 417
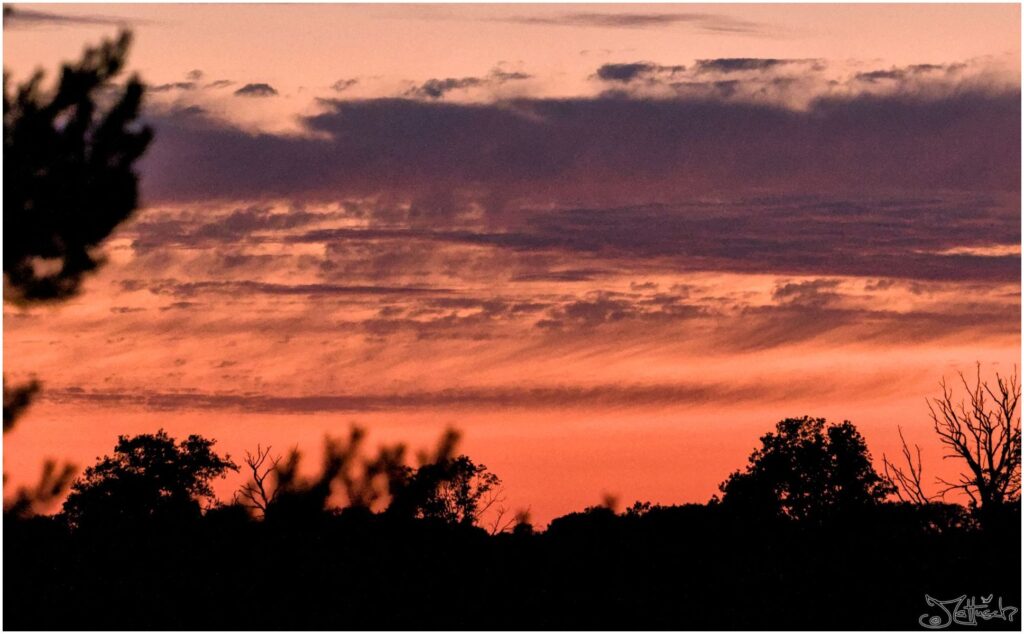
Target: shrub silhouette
column 807, row 469
column 277, row 491
column 17, row 398
column 150, row 477
column 50, row 488
column 447, row 488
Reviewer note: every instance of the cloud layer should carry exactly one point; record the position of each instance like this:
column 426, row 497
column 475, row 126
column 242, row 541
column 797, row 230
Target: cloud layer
column 614, row 148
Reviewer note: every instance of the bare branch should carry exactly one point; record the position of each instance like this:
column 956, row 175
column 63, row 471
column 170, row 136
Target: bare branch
column 907, row 483
column 502, row 522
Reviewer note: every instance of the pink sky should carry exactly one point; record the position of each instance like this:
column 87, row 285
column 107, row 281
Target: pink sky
column 613, row 244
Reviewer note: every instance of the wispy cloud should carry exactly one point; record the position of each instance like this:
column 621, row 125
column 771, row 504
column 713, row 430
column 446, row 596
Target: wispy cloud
column 249, row 287
column 15, row 17
column 709, row 22
column 520, row 397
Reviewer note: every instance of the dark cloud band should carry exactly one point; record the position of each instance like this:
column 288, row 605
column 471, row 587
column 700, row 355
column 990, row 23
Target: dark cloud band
column 617, row 149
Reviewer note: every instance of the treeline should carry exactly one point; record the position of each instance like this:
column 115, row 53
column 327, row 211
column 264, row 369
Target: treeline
column 807, row 535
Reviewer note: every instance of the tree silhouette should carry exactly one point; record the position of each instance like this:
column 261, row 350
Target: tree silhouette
column 805, row 470
column 258, row 494
column 69, row 180
column 981, row 429
column 149, row 477
column 69, row 175
column 452, row 490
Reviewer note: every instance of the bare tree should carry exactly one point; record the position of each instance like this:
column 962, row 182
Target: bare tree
column 982, row 429
column 254, row 494
column 907, row 483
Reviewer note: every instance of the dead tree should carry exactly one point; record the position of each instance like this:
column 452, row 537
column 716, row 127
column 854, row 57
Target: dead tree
column 982, row 429
column 255, row 494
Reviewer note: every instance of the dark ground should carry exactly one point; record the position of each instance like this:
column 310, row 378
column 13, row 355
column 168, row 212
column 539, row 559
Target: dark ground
column 685, row 567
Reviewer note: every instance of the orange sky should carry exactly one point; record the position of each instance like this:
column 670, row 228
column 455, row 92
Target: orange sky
column 613, row 244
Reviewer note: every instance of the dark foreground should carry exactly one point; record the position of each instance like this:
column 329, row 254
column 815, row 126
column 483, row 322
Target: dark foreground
column 686, row 567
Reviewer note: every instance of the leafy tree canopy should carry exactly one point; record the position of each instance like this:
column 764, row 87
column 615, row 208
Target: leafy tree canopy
column 149, row 476
column 806, row 469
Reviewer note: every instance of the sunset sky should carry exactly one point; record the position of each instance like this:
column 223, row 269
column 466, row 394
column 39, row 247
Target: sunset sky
column 612, row 244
